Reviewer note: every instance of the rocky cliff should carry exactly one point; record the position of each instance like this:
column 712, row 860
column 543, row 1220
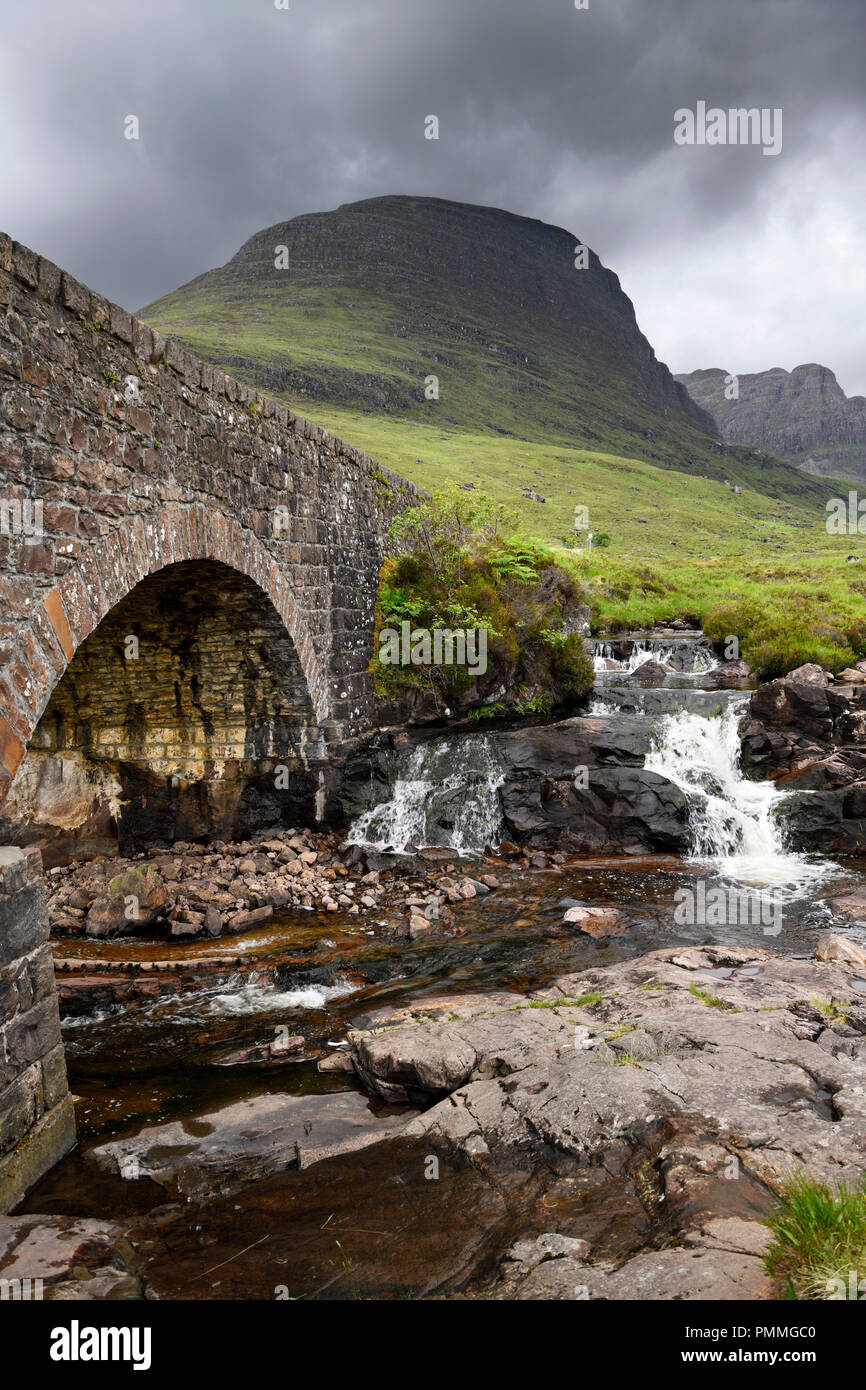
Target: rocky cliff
column 803, row 416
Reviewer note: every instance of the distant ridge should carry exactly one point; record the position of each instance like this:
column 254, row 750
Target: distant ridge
column 802, row 416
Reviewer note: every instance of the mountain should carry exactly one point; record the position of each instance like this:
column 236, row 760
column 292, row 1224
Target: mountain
column 803, row 416
column 550, row 400
column 382, row 294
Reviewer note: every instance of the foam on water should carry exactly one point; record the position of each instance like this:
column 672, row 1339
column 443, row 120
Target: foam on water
column 254, row 997
column 733, row 820
column 644, row 650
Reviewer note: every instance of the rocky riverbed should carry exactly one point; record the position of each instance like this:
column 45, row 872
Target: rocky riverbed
column 332, row 1064
column 221, row 889
column 580, row 1141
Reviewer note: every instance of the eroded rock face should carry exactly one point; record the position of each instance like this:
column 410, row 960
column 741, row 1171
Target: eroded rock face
column 624, row 808
column 803, row 416
column 720, row 1260
column 810, row 736
column 638, row 1059
column 628, row 809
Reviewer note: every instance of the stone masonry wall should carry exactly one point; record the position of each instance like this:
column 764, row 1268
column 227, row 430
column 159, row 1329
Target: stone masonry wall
column 36, row 1120
column 139, row 456
column 122, row 454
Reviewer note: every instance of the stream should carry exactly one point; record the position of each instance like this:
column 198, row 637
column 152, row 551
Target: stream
column 169, row 1059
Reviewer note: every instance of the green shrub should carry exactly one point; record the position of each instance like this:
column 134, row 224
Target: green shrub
column 776, row 639
column 454, row 566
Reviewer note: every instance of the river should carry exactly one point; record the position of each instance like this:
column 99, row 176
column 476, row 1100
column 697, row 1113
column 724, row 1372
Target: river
column 316, row 976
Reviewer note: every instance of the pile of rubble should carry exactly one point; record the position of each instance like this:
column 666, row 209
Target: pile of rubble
column 195, row 890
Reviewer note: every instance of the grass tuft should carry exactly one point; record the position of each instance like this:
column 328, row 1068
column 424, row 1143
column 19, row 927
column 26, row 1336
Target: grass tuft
column 819, row 1240
column 712, row 1000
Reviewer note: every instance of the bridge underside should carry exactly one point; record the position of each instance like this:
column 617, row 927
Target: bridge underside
column 184, row 715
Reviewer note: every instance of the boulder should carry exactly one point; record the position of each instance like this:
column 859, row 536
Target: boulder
column 596, row 921
column 731, row 675
column 648, row 673
column 800, row 701
column 627, row 809
column 833, row 947
column 134, row 899
column 244, row 920
column 828, row 822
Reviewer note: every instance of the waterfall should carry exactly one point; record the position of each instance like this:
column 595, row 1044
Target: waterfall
column 644, row 650
column 444, row 793
column 733, row 820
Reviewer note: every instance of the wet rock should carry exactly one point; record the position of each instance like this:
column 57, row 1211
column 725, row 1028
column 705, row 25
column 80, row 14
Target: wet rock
column 280, row 1049
column 399, row 1067
column 542, row 1066
column 554, row 750
column 731, row 675
column 800, row 700
column 647, row 674
column 832, row 947
column 798, row 719
column 338, row 1061
column 134, row 899
column 596, row 921
column 828, row 822
column 242, row 921
column 187, row 927
column 226, row 1148
column 622, row 809
column 74, row 1258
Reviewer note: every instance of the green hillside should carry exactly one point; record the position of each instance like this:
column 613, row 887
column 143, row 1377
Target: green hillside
column 758, row 566
column 545, row 384
column 379, row 296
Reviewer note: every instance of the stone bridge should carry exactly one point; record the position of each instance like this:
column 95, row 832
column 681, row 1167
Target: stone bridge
column 188, row 573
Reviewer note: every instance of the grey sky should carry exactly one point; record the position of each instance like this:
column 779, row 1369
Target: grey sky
column 250, row 115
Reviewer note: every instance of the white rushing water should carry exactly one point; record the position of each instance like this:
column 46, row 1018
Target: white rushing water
column 444, row 793
column 643, row 651
column 254, row 996
column 732, row 819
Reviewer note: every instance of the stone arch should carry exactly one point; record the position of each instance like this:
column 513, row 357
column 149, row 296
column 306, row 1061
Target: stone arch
column 112, row 566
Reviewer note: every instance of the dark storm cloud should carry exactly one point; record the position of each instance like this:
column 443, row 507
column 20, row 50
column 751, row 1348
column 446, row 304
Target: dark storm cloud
column 250, row 115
